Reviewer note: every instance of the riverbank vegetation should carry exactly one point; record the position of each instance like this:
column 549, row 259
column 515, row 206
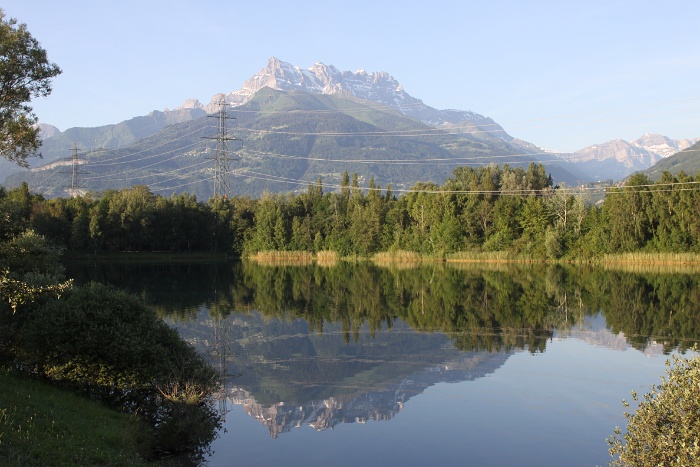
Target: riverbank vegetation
column 490, row 212
column 663, row 430
column 103, row 344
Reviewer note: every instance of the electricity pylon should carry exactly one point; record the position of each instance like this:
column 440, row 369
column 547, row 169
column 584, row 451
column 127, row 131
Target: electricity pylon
column 75, row 172
column 222, row 171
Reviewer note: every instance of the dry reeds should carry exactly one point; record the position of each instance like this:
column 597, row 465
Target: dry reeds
column 327, row 258
column 398, row 257
column 652, row 258
column 481, row 257
column 677, row 263
column 281, row 258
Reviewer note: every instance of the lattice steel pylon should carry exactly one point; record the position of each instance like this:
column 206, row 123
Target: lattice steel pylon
column 222, row 170
column 75, row 188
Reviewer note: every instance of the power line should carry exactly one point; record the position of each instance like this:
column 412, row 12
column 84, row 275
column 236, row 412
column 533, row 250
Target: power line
column 650, row 188
column 114, row 160
column 136, row 169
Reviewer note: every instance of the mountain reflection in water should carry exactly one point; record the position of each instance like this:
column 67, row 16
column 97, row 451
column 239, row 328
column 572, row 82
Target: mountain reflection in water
column 285, row 376
column 323, row 346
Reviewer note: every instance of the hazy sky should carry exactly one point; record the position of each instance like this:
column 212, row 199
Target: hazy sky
column 560, row 74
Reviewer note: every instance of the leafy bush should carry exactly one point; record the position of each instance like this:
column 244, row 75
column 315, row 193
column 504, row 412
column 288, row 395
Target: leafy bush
column 30, row 270
column 665, row 428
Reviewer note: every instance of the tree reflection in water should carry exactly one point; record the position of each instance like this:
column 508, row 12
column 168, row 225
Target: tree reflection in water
column 350, row 343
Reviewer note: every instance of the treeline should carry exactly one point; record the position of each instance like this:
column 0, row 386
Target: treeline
column 482, row 209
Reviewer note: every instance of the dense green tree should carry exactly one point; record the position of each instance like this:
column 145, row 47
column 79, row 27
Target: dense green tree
column 628, row 214
column 263, row 237
column 533, row 220
column 52, row 219
column 670, row 214
column 15, row 209
column 25, row 72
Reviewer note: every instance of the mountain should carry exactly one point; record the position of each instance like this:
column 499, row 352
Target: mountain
column 112, row 136
column 687, row 161
column 618, row 158
column 296, row 125
column 289, row 139
column 378, row 94
column 48, row 131
column 379, row 87
column 56, row 145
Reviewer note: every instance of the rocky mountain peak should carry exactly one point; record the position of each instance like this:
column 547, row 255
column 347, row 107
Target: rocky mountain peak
column 660, row 145
column 47, row 131
column 190, row 104
column 379, row 87
column 618, row 158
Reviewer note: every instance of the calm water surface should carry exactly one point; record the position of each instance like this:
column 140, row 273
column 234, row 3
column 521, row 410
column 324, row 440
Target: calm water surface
column 359, row 365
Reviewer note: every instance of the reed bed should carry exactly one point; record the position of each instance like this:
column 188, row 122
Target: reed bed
column 652, row 258
column 327, row 258
column 404, row 259
column 398, row 257
column 484, row 257
column 655, row 268
column 481, row 266
column 282, row 258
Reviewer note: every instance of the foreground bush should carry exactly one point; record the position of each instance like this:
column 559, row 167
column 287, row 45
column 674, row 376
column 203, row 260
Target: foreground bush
column 111, row 346
column 29, row 271
column 665, row 428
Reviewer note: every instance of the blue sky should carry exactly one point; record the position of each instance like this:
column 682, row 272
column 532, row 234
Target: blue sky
column 560, row 74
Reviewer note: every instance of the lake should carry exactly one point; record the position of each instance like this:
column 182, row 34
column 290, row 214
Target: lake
column 485, row 365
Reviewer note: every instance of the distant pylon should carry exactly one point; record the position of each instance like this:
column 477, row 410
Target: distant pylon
column 222, row 171
column 75, row 173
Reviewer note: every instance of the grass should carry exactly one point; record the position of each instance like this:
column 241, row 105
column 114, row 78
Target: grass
column 44, row 425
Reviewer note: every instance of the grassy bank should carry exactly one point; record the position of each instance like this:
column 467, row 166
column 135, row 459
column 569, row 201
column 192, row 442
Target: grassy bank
column 44, row 425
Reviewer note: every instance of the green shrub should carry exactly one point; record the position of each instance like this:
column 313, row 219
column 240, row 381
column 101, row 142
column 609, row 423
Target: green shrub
column 665, row 428
column 29, row 270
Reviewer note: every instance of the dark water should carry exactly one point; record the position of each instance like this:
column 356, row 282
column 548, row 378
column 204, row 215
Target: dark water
column 360, row 365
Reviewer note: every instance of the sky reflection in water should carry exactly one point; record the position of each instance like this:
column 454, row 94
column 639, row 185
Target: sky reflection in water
column 359, row 365
column 552, row 408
